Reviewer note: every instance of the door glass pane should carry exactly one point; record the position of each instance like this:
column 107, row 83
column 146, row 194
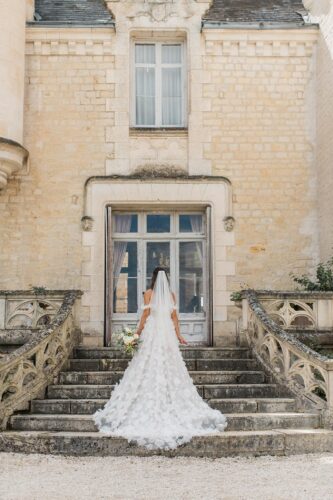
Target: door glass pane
column 191, row 277
column 125, row 223
column 190, row 223
column 125, row 277
column 158, row 223
column 158, row 254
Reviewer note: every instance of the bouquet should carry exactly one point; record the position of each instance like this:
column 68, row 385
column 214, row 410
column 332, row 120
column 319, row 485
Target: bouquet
column 128, row 340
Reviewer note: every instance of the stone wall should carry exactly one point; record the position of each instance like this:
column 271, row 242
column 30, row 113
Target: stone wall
column 259, row 132
column 323, row 13
column 67, row 115
column 250, row 101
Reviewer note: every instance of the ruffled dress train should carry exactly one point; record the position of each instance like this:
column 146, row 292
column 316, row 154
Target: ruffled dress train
column 156, row 404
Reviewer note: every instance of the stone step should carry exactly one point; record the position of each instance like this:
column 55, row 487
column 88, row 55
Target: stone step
column 191, row 364
column 226, row 444
column 231, row 391
column 236, row 422
column 187, row 352
column 213, row 377
column 258, row 405
column 89, row 406
column 214, row 391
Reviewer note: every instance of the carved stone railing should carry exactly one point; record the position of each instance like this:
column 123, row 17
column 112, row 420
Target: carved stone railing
column 26, row 309
column 307, row 374
column 299, row 310
column 26, row 372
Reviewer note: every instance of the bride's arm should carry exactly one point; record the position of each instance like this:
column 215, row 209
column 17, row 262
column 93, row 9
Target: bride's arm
column 145, row 314
column 175, row 320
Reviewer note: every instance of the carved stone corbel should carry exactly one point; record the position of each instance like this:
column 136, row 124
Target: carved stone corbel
column 229, row 223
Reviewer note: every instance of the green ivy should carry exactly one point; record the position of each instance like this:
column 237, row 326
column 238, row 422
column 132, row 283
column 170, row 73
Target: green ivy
column 323, row 281
column 236, row 296
column 39, row 290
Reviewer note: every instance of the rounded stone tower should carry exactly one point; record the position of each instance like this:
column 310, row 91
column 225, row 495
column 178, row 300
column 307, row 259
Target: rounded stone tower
column 12, row 56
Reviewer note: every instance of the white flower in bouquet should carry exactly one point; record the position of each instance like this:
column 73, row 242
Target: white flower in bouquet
column 128, row 340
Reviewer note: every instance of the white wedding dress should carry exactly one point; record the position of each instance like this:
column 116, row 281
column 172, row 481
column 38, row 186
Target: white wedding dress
column 156, row 404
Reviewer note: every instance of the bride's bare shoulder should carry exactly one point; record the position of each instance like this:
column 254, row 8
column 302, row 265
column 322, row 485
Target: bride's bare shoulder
column 147, row 294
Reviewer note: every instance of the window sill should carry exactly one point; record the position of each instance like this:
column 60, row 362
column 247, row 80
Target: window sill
column 159, row 132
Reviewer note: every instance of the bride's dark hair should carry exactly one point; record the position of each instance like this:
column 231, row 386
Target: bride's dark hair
column 154, row 275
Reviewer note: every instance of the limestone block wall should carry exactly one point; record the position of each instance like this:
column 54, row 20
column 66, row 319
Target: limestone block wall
column 254, row 103
column 168, row 149
column 259, row 132
column 67, row 115
column 251, row 108
column 323, row 13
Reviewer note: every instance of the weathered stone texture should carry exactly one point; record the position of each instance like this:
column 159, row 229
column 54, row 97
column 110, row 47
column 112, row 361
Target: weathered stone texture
column 250, row 110
column 66, row 122
column 324, row 145
column 258, row 116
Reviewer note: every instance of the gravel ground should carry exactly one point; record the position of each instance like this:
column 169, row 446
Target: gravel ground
column 38, row 477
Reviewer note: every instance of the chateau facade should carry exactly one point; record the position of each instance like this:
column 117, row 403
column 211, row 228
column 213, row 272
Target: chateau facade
column 189, row 134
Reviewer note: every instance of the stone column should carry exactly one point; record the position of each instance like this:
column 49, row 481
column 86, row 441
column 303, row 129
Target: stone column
column 12, row 49
column 30, row 9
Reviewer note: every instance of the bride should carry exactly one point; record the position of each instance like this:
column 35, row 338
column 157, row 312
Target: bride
column 156, row 404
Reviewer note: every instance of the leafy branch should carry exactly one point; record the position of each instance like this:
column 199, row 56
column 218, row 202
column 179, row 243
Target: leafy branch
column 323, row 281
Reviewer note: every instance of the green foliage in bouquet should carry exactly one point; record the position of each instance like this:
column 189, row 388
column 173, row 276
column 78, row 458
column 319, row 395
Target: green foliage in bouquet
column 323, row 281
column 128, row 340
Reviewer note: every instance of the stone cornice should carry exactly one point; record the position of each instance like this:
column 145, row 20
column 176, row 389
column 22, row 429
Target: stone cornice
column 55, row 40
column 274, row 43
column 99, row 41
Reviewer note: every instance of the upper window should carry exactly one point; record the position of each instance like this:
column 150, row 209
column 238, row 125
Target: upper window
column 159, row 85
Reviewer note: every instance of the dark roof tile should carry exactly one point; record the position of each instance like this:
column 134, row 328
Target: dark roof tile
column 88, row 12
column 256, row 11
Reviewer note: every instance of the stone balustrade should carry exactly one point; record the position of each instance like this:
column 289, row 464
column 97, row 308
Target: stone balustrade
column 26, row 372
column 21, row 309
column 299, row 310
column 268, row 321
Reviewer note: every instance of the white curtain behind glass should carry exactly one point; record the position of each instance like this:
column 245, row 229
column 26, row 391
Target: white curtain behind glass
column 145, row 85
column 158, row 85
column 196, row 224
column 171, row 85
column 172, row 97
column 122, row 224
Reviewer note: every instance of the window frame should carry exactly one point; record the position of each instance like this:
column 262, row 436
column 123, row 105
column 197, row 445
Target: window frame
column 158, row 83
column 174, row 237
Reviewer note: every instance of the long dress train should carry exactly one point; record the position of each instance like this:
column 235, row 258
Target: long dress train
column 156, row 404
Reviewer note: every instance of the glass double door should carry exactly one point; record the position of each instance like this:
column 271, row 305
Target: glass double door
column 183, row 261
column 175, row 241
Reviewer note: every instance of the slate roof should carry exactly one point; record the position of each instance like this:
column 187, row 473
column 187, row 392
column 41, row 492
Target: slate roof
column 249, row 12
column 87, row 12
column 283, row 12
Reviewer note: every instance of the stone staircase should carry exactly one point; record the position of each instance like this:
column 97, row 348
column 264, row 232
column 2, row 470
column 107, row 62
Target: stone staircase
column 262, row 417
